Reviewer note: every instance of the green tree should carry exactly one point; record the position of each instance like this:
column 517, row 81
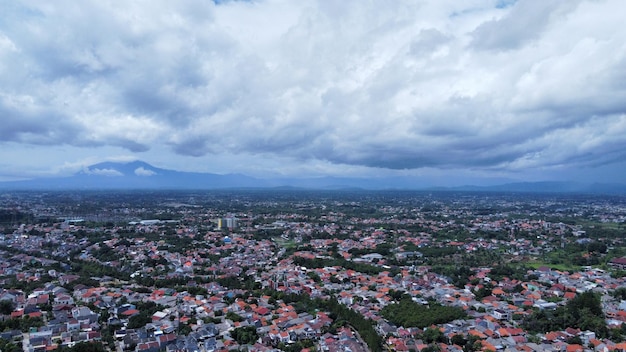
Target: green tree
column 9, row 346
column 184, row 329
column 234, row 316
column 245, row 335
column 583, row 311
column 6, row 307
column 410, row 314
column 85, row 347
column 139, row 320
column 431, row 335
column 458, row 339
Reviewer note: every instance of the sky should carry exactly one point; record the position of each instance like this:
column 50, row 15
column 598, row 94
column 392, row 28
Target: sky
column 448, row 91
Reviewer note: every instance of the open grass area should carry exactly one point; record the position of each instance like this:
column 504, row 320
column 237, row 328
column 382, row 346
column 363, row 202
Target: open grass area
column 285, row 243
column 601, row 225
column 560, row 267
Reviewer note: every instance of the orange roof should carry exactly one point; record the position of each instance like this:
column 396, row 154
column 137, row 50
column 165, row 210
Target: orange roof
column 551, row 336
column 575, row 348
column 497, row 291
column 478, row 334
column 503, row 332
column 595, row 342
column 487, row 346
column 515, row 331
column 130, row 312
column 17, row 313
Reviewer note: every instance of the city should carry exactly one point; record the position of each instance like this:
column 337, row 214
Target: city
column 312, row 175
column 271, row 270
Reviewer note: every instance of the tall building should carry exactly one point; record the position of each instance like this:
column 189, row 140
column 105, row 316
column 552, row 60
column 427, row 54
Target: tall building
column 227, row 222
column 231, row 222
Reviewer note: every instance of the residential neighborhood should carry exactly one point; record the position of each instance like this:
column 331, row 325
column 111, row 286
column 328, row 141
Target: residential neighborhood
column 305, row 272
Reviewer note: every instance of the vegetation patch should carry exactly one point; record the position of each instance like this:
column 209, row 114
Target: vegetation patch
column 583, row 312
column 407, row 313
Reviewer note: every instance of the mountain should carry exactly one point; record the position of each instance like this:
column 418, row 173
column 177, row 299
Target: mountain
column 550, row 187
column 135, row 175
column 140, row 175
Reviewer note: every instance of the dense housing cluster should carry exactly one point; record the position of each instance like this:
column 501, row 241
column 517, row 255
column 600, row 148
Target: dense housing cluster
column 316, row 271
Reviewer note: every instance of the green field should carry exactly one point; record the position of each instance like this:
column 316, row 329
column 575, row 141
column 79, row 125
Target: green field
column 560, row 267
column 601, row 225
column 285, row 243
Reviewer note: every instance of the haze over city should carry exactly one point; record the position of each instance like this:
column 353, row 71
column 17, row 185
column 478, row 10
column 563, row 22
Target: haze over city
column 453, row 93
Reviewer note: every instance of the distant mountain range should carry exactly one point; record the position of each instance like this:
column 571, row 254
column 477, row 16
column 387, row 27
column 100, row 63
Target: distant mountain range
column 140, row 175
column 134, row 175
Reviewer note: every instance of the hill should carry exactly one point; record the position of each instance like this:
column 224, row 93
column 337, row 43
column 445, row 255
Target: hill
column 141, row 175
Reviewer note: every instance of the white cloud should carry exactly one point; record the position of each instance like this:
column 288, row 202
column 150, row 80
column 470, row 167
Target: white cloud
column 400, row 85
column 141, row 171
column 104, row 172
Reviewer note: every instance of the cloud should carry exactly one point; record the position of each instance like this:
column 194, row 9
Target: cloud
column 521, row 24
column 141, row 171
column 403, row 85
column 104, row 172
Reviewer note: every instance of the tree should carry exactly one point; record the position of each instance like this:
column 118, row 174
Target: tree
column 620, row 293
column 245, row 335
column 314, row 276
column 184, row 329
column 575, row 340
column 6, row 307
column 431, row 335
column 584, row 312
column 139, row 320
column 410, row 314
column 459, row 340
column 234, row 316
column 483, row 292
column 85, row 347
column 431, row 348
column 8, row 346
column 473, row 344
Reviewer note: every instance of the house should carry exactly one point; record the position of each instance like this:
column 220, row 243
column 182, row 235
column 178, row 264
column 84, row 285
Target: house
column 501, row 314
column 66, row 279
column 158, row 316
column 151, row 346
column 543, row 305
column 12, row 335
column 8, row 296
column 63, row 299
column 618, row 263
